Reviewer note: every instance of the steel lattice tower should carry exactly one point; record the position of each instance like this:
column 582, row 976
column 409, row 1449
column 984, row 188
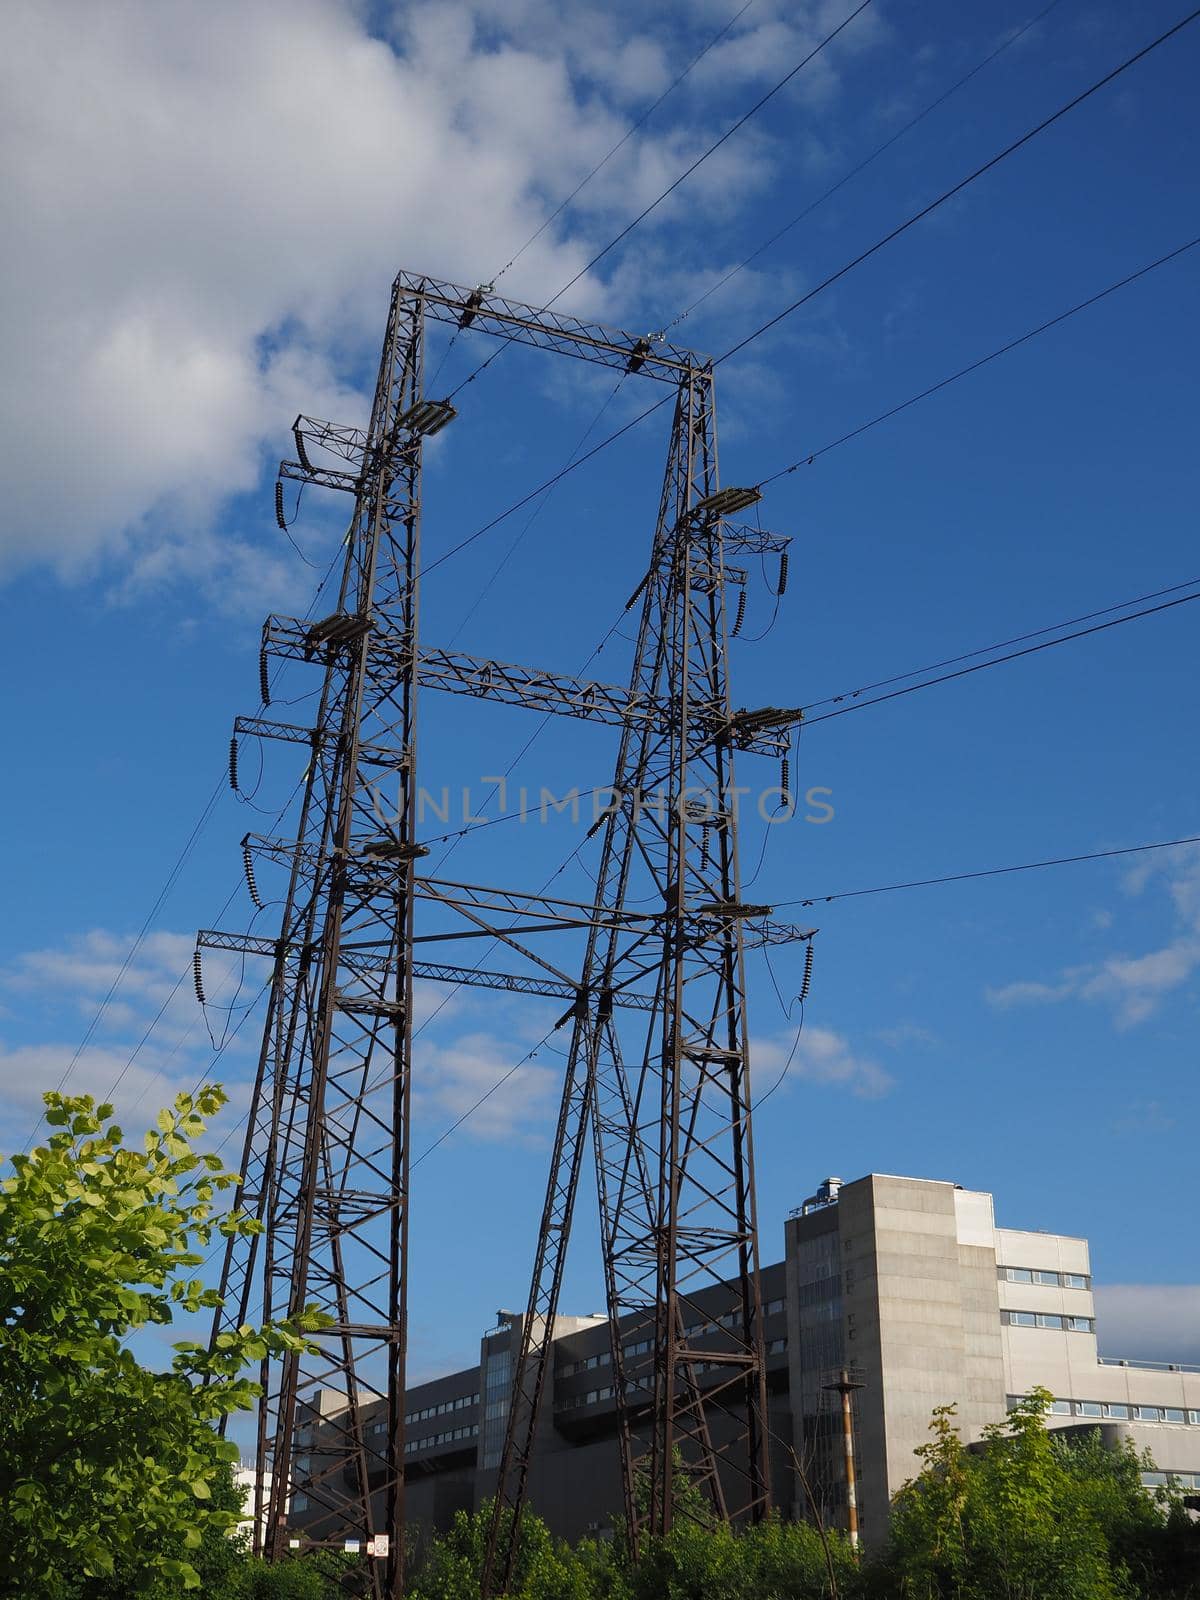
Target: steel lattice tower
column 658, row 1075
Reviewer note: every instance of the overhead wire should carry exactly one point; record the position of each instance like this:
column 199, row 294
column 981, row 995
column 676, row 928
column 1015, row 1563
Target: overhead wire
column 991, row 872
column 163, row 894
column 625, row 138
column 995, row 661
column 956, row 189
column 861, row 166
column 974, row 366
column 834, row 277
column 598, row 168
column 711, row 150
column 1002, row 644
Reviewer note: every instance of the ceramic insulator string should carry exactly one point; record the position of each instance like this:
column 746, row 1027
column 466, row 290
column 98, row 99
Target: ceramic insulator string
column 248, row 863
column 806, row 981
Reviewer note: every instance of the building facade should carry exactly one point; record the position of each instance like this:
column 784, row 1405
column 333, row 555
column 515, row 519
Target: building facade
column 905, row 1283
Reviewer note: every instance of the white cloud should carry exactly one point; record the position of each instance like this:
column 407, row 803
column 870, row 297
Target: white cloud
column 450, row 1079
column 1134, row 986
column 1149, row 1321
column 209, row 203
column 821, row 1056
column 150, row 1041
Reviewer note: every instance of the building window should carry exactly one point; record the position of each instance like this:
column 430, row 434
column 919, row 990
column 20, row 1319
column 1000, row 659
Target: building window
column 1045, row 1320
column 1059, row 1408
column 1064, row 1280
column 774, row 1307
column 1117, row 1413
column 299, row 1502
column 1172, row 1414
column 1081, row 1324
column 1088, row 1408
column 1147, row 1413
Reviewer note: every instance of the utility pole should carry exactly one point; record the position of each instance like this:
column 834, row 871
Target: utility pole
column 845, row 1386
column 658, row 1073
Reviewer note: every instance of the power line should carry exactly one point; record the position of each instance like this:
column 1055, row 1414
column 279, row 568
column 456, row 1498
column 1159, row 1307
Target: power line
column 895, row 233
column 862, row 165
column 682, row 178
column 171, row 880
column 582, row 184
column 963, row 183
column 714, row 147
column 625, row 138
column 991, row 872
column 484, row 1097
column 974, row 366
column 1012, row 655
column 969, row 655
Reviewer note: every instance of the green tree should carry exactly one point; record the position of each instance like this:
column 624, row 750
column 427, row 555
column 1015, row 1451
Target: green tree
column 111, row 1476
column 1033, row 1514
column 545, row 1569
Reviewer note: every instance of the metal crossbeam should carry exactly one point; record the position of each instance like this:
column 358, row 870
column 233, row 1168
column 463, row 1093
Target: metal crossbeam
column 293, row 639
column 484, row 310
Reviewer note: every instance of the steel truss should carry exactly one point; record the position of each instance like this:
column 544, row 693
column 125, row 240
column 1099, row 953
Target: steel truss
column 657, row 1083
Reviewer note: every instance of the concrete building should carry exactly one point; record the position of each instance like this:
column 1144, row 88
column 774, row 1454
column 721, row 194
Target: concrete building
column 906, row 1282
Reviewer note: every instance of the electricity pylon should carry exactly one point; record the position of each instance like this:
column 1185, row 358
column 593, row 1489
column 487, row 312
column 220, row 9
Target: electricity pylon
column 658, row 1067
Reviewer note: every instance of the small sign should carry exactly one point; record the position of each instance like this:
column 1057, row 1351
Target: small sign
column 383, row 1544
column 370, row 1547
column 352, row 1547
column 293, row 1544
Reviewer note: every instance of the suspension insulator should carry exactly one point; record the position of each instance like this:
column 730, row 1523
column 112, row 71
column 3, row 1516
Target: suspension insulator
column 781, row 586
column 198, row 977
column 741, row 616
column 264, row 678
column 279, row 516
column 233, row 758
column 704, row 847
column 785, row 779
column 806, row 982
column 248, row 863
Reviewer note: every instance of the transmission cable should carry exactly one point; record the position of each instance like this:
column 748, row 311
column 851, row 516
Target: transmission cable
column 991, row 872
column 625, row 138
column 841, row 273
column 600, row 165
column 683, row 176
column 996, row 661
column 171, row 880
column 970, row 655
column 861, row 166
column 963, row 183
column 974, row 366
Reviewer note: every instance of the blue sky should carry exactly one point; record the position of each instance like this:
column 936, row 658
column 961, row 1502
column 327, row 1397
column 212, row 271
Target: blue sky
column 209, row 224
